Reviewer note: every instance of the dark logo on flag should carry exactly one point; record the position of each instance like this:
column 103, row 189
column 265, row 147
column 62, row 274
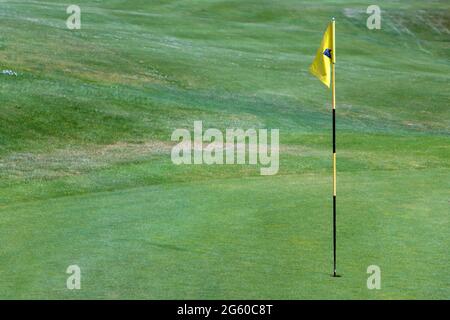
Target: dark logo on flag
column 327, row 52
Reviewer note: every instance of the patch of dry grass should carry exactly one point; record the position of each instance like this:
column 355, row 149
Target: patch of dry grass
column 73, row 161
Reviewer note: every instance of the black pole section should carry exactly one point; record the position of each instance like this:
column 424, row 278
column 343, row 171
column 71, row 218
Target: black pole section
column 334, row 236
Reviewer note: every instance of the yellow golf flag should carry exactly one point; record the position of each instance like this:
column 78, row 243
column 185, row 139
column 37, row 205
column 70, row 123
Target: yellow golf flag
column 325, row 56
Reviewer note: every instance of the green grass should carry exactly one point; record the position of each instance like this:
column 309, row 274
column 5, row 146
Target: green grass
column 86, row 176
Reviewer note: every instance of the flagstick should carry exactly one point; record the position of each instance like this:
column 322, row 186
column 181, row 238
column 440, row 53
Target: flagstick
column 333, row 90
column 334, row 171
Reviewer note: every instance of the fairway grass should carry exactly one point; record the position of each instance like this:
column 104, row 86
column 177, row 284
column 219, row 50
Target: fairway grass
column 86, row 176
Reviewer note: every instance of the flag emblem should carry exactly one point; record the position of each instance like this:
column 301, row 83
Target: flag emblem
column 327, row 52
